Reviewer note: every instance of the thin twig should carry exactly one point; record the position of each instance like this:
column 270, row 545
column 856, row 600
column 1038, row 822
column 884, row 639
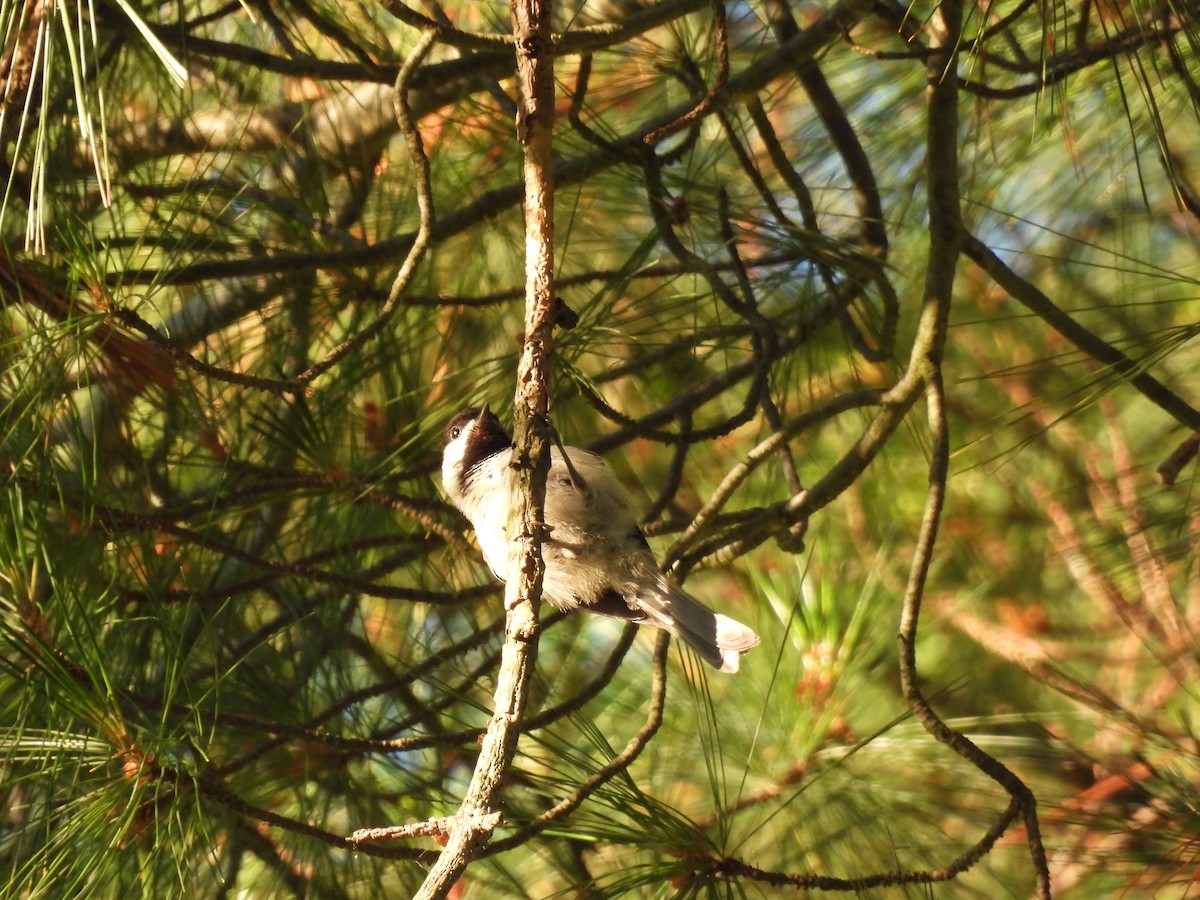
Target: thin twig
column 618, row 764
column 425, row 227
column 765, row 450
column 1025, row 293
column 706, row 103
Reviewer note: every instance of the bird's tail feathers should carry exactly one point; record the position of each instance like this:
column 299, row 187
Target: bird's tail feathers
column 718, row 639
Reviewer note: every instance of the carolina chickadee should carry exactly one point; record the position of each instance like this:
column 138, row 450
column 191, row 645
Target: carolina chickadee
column 595, row 554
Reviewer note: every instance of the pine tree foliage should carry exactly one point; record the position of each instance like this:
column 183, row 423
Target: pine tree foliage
column 828, row 272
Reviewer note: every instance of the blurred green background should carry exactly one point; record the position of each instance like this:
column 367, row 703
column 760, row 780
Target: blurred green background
column 240, row 620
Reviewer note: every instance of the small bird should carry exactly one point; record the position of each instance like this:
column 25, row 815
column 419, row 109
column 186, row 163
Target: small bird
column 596, row 556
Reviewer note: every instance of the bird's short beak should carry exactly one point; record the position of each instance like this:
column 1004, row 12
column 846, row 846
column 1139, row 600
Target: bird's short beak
column 485, row 410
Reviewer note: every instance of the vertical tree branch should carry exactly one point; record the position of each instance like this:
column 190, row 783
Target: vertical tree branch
column 946, row 237
column 478, row 815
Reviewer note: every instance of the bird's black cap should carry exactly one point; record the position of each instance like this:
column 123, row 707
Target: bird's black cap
column 486, row 438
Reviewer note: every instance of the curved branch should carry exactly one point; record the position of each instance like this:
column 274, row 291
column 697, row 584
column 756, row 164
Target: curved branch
column 735, row 867
column 946, row 235
column 618, row 764
column 421, row 240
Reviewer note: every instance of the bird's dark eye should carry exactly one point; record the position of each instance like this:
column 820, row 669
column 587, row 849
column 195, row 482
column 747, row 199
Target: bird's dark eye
column 455, row 432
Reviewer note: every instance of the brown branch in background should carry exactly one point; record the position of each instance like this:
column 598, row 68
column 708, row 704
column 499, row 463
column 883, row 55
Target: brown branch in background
column 1088, row 571
column 1001, row 638
column 17, row 64
column 872, row 229
column 706, row 103
column 131, row 365
column 1128, row 514
column 1182, row 455
column 1028, row 295
column 472, row 827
